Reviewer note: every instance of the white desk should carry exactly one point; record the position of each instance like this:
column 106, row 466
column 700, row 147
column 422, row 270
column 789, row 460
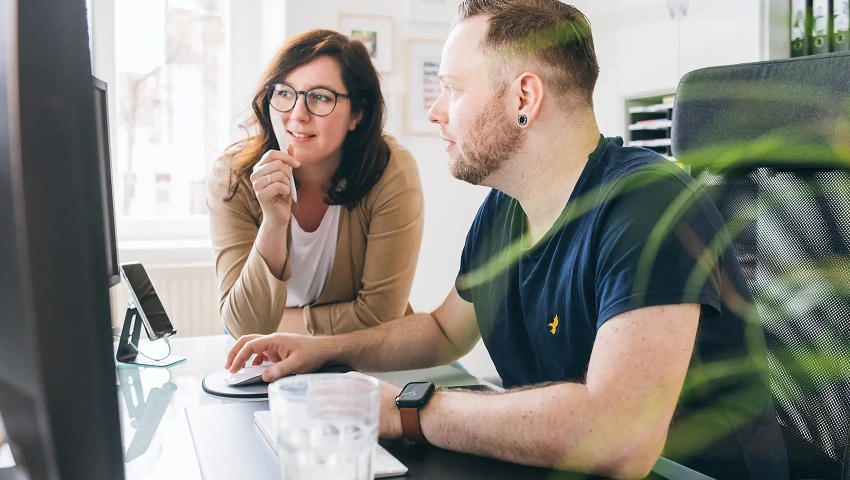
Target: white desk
column 171, row 453
column 170, row 450
column 158, row 443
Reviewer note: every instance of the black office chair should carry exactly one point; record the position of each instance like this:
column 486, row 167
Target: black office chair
column 771, row 143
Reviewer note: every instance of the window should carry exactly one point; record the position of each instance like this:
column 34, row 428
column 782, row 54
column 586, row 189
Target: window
column 170, row 109
column 199, row 198
column 163, row 193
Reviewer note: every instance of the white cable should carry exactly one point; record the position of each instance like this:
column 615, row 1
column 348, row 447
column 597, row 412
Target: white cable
column 130, row 342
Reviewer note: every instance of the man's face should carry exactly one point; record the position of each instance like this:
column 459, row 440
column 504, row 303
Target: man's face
column 472, row 110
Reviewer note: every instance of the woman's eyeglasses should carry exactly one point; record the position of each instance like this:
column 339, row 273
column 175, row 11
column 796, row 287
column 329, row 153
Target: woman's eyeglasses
column 320, row 101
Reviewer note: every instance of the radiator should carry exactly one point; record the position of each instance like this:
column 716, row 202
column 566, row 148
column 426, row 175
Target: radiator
column 188, row 293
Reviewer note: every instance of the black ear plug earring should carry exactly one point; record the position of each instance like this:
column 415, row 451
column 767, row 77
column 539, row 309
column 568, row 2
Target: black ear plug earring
column 522, row 120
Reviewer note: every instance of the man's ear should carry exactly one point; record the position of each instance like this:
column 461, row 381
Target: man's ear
column 529, row 95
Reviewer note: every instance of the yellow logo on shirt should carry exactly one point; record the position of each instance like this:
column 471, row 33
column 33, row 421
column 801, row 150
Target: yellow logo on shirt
column 554, row 325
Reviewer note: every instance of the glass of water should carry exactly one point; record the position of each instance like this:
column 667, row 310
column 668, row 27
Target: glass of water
column 326, row 425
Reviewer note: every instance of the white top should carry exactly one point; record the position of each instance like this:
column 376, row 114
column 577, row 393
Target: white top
column 311, row 257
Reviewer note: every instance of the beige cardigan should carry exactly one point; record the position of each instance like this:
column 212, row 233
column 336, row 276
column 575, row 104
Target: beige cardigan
column 372, row 273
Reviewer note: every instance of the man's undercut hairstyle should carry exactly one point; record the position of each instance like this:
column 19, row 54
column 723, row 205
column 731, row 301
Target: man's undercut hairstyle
column 555, row 34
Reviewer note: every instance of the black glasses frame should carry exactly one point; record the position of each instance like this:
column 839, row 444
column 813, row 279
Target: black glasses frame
column 271, row 89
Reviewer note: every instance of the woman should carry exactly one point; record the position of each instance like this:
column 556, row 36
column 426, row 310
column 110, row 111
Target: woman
column 341, row 257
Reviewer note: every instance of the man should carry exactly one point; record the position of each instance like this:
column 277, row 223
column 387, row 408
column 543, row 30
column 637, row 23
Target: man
column 598, row 276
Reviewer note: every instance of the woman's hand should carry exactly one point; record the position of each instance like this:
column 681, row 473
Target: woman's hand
column 270, row 179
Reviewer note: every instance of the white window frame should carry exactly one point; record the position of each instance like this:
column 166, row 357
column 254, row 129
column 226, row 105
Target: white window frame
column 190, row 230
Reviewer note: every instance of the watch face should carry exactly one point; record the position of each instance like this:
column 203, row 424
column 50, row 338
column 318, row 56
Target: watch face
column 414, row 395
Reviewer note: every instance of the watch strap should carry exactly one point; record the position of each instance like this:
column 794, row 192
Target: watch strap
column 410, row 427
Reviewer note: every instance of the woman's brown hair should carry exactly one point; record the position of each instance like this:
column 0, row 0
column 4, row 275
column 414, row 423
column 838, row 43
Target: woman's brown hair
column 364, row 152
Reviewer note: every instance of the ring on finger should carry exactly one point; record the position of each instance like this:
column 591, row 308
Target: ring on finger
column 269, row 177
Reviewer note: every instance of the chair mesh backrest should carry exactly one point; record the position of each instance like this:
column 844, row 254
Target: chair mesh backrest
column 795, row 252
column 771, row 143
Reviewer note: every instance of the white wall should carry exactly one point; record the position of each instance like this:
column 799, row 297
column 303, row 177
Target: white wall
column 607, row 101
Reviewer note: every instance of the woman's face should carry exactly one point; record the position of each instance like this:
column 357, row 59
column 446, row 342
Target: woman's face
column 315, row 138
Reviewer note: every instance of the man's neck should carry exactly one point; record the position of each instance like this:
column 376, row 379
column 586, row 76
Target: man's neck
column 544, row 175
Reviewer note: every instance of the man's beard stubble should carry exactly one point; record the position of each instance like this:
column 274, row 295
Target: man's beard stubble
column 492, row 141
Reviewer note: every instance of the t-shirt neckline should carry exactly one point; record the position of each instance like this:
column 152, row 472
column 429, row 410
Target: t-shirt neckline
column 568, row 208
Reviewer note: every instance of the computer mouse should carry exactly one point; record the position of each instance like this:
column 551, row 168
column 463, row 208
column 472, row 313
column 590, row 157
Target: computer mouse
column 247, row 376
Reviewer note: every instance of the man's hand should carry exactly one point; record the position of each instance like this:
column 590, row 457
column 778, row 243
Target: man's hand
column 290, row 354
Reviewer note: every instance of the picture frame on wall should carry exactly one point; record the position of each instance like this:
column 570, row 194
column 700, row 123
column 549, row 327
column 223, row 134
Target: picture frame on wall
column 433, row 11
column 423, row 85
column 376, row 32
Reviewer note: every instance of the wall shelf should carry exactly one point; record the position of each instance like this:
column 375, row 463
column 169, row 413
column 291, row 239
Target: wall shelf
column 661, row 107
column 649, row 121
column 661, row 142
column 651, row 125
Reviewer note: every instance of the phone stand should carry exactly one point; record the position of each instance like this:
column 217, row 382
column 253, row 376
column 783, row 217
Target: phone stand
column 128, row 343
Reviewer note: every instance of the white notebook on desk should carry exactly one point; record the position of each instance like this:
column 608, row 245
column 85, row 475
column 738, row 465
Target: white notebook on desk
column 385, row 464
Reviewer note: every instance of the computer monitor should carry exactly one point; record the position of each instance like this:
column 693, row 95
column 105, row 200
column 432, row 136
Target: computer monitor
column 104, row 162
column 57, row 375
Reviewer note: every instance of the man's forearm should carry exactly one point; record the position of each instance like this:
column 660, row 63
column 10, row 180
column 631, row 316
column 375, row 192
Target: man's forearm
column 412, row 342
column 559, row 426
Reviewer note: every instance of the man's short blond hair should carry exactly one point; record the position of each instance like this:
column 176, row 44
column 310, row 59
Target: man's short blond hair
column 554, row 35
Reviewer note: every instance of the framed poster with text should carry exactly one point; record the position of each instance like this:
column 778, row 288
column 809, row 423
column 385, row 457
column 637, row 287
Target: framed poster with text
column 423, row 85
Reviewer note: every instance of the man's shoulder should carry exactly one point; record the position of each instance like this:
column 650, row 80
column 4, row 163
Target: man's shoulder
column 624, row 173
column 619, row 162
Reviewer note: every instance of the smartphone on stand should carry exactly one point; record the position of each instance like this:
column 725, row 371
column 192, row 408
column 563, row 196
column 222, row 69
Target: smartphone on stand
column 148, row 306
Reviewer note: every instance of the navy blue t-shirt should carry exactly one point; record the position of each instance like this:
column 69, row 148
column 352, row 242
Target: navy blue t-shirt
column 617, row 246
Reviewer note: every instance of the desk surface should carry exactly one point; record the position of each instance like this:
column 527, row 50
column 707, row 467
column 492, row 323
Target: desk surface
column 158, row 443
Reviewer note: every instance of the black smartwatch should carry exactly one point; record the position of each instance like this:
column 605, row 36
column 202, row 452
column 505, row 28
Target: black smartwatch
column 414, row 396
